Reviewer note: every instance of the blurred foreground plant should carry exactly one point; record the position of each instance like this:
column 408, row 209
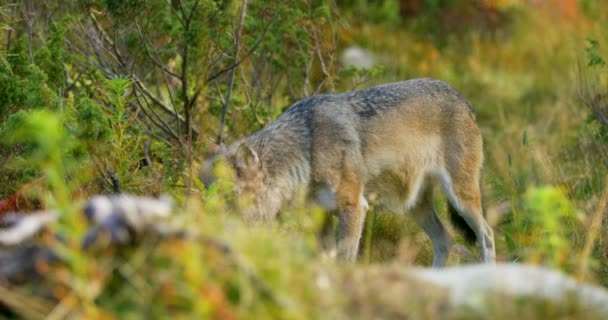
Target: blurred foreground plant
column 541, row 232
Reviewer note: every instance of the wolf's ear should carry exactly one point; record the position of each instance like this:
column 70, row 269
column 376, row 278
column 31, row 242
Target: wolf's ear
column 246, row 157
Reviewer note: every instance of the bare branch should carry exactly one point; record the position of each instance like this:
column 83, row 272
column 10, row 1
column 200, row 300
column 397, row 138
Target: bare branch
column 69, row 86
column 189, row 19
column 156, row 58
column 116, row 56
column 157, row 61
column 175, row 13
column 10, row 29
column 29, row 16
column 154, row 117
column 157, row 101
column 237, row 47
column 245, row 57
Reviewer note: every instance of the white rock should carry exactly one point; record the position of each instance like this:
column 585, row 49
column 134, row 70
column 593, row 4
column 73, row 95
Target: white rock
column 468, row 284
column 355, row 56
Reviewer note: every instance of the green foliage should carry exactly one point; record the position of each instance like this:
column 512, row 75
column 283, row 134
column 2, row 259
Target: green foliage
column 358, row 76
column 52, row 57
column 39, row 130
column 47, row 151
column 542, row 231
column 23, row 84
column 94, row 129
column 121, row 157
column 383, row 11
column 594, row 59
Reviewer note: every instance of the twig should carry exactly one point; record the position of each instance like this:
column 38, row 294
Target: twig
column 157, row 101
column 115, row 54
column 184, row 76
column 69, row 86
column 156, row 120
column 147, row 159
column 324, row 68
column 307, row 69
column 114, row 181
column 156, row 58
column 237, row 47
column 245, row 57
column 10, row 29
column 30, row 29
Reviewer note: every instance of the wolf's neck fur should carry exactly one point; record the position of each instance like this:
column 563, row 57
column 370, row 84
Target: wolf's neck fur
column 285, row 154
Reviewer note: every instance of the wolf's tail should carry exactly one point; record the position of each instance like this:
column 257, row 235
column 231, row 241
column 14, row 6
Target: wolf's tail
column 461, row 225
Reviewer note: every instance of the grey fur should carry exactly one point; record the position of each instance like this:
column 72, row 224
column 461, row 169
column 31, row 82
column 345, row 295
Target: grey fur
column 337, row 142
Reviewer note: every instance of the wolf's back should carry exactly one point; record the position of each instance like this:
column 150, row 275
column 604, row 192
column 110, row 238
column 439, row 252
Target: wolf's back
column 373, row 101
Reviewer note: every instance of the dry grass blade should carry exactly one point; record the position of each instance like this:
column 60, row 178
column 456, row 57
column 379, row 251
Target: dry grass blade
column 24, row 304
column 594, row 230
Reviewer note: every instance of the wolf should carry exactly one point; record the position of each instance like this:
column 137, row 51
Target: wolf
column 395, row 140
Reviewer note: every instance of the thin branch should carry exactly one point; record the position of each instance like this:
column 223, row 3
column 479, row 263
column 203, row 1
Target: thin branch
column 157, row 101
column 308, row 68
column 156, row 60
column 71, row 85
column 237, row 47
column 245, row 57
column 156, row 119
column 324, row 69
column 184, row 78
column 247, row 92
column 213, row 60
column 114, row 181
column 10, row 29
column 175, row 13
column 319, row 54
column 30, row 28
column 189, row 19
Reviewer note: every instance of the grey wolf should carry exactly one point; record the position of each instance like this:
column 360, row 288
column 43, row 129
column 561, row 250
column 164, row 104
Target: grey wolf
column 395, row 140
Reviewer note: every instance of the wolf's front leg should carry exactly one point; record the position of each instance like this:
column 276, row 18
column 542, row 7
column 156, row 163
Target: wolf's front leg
column 352, row 208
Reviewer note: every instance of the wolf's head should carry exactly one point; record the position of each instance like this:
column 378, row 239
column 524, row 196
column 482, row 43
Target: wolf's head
column 251, row 185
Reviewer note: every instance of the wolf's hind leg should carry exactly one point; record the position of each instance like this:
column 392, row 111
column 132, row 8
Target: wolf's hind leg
column 464, row 193
column 352, row 208
column 425, row 215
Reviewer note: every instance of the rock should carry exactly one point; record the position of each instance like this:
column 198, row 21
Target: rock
column 19, row 253
column 468, row 284
column 125, row 217
column 355, row 56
